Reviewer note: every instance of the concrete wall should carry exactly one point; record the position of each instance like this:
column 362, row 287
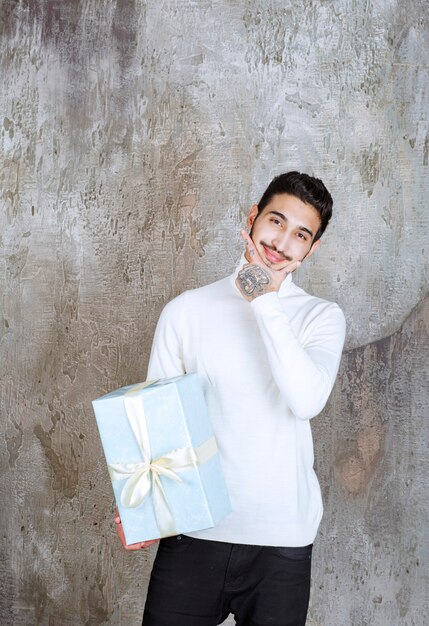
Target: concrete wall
column 134, row 137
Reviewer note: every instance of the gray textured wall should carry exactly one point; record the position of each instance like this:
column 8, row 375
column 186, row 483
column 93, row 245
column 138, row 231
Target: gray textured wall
column 134, row 136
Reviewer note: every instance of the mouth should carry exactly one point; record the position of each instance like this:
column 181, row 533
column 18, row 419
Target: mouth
column 273, row 257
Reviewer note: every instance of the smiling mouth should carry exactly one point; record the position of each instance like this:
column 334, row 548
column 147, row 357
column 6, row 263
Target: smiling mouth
column 273, row 257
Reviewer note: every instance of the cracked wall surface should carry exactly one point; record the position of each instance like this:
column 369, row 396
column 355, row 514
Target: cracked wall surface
column 134, row 137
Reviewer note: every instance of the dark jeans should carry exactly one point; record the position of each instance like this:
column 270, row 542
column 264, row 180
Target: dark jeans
column 195, row 582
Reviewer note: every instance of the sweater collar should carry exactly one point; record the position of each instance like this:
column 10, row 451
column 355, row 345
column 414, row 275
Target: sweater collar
column 284, row 288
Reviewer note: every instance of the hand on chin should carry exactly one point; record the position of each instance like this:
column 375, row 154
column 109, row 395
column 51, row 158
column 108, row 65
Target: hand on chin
column 262, row 274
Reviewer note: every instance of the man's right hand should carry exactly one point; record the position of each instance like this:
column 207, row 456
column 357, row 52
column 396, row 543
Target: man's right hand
column 256, row 278
column 132, row 546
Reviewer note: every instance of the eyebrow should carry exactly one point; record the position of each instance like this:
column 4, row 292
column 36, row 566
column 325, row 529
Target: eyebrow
column 284, row 218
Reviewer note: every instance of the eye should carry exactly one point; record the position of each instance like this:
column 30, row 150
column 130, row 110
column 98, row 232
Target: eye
column 275, row 221
column 302, row 236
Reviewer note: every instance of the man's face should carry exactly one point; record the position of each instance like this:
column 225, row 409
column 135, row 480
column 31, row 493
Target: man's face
column 284, row 231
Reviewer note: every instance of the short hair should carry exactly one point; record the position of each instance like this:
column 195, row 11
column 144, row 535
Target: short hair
column 308, row 189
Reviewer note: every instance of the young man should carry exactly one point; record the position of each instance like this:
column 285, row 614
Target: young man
column 267, row 354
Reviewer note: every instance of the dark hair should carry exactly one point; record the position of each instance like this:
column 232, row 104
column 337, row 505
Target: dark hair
column 308, row 189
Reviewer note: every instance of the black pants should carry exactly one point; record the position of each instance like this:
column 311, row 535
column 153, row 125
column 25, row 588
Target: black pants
column 199, row 583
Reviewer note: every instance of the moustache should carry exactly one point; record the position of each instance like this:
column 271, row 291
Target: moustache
column 274, row 249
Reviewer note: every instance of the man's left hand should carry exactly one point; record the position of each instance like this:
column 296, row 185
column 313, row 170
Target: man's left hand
column 132, row 546
column 256, row 278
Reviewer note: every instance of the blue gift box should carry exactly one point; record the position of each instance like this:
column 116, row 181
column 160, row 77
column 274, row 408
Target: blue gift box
column 162, row 458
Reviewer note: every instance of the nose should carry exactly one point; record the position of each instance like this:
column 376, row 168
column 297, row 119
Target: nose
column 282, row 242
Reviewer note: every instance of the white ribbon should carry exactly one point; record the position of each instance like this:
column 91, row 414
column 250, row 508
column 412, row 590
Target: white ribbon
column 144, row 476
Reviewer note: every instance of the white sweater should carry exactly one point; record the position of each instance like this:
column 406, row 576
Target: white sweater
column 267, row 367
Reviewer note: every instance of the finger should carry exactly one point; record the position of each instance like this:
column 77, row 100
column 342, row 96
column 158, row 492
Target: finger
column 253, row 253
column 247, row 239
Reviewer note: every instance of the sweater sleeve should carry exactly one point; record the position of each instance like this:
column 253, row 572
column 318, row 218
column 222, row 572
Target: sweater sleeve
column 305, row 371
column 166, row 357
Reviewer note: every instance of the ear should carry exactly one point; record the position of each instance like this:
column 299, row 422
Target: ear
column 252, row 215
column 314, row 247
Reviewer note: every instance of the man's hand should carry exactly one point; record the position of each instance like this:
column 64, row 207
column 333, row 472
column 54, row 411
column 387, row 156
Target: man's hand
column 132, row 546
column 255, row 278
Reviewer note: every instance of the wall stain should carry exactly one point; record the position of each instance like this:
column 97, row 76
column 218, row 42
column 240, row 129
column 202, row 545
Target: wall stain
column 188, row 161
column 357, row 466
column 64, row 464
column 97, row 605
column 16, row 261
column 370, row 168
column 367, row 378
column 14, row 443
column 199, row 236
column 124, row 31
column 70, row 366
column 273, row 32
column 35, row 593
column 426, row 149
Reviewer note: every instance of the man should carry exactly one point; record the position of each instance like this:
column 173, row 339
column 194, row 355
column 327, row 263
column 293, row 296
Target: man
column 267, row 354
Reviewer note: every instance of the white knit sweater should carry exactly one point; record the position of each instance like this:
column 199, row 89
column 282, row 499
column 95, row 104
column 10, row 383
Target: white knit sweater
column 267, row 367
